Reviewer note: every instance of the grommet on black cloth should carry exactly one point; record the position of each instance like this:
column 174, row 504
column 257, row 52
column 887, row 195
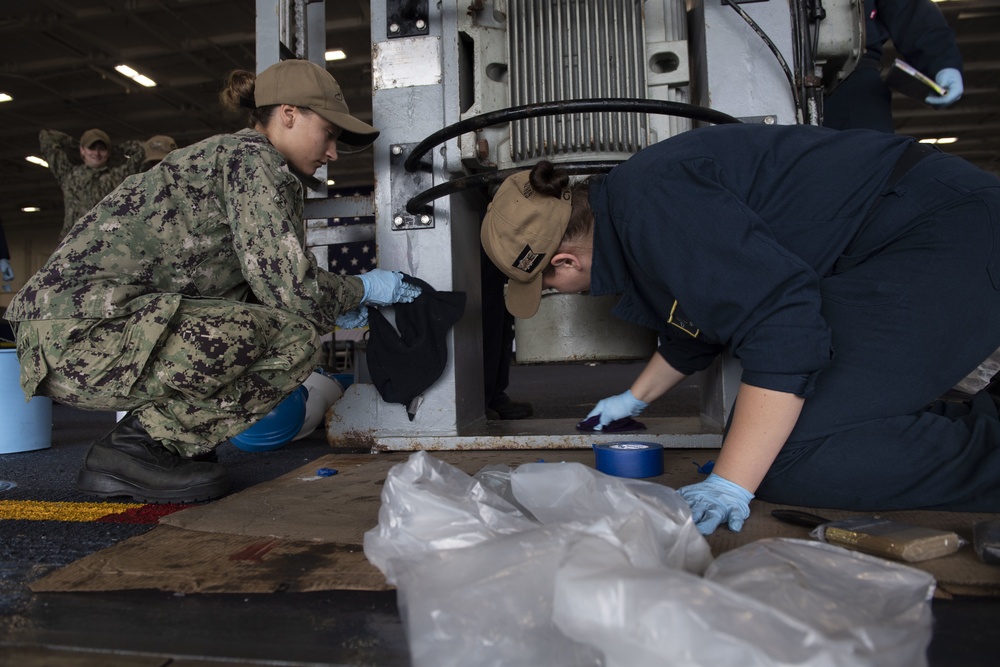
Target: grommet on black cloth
column 404, row 363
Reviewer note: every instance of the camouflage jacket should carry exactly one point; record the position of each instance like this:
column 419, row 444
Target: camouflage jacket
column 82, row 186
column 219, row 219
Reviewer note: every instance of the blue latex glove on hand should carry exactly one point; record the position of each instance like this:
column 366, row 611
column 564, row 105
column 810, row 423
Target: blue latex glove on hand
column 951, row 80
column 353, row 319
column 716, row 500
column 6, row 270
column 617, row 407
column 384, row 288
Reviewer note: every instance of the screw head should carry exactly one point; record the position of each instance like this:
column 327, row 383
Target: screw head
column 425, row 219
column 394, row 27
column 398, row 221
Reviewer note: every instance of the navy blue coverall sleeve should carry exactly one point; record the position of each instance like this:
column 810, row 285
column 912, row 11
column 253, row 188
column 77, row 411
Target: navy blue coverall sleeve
column 734, row 282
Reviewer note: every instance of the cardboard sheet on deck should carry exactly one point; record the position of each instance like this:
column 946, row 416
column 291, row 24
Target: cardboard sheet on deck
column 303, row 532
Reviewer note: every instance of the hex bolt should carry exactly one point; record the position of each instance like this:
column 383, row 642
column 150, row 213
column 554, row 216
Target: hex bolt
column 421, row 24
column 397, row 150
column 425, row 219
column 397, row 221
column 394, row 27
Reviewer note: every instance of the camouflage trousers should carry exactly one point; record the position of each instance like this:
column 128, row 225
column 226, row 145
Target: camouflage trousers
column 217, row 368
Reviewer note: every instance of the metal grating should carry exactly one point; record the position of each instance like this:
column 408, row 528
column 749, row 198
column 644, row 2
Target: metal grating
column 570, row 50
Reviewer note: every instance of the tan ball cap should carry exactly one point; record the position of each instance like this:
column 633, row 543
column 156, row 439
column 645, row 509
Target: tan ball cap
column 157, row 147
column 303, row 83
column 91, row 137
column 521, row 231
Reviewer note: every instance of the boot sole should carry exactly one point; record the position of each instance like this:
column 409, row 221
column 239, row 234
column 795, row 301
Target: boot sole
column 104, row 485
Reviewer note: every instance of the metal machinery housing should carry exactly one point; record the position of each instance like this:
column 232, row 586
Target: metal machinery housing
column 467, row 92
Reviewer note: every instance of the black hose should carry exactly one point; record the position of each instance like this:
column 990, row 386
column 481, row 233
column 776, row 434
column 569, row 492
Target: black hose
column 415, row 205
column 565, row 107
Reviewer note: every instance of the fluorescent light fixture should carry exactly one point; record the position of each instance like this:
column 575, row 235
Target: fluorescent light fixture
column 30, row 209
column 335, row 54
column 4, row 97
column 939, row 140
column 34, row 159
column 141, row 79
column 330, row 181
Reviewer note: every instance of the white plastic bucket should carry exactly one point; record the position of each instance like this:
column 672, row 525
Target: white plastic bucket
column 323, row 392
column 27, row 426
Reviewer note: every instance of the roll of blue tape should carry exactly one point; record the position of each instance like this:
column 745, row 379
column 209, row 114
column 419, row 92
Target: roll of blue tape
column 629, row 459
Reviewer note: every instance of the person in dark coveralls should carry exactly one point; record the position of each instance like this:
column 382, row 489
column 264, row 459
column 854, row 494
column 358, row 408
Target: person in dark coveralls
column 922, row 38
column 855, row 275
column 187, row 298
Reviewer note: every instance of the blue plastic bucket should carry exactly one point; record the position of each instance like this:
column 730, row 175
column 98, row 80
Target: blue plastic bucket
column 27, row 426
column 276, row 428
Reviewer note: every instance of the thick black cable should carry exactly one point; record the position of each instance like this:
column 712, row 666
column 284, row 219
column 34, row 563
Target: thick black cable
column 510, row 114
column 416, row 204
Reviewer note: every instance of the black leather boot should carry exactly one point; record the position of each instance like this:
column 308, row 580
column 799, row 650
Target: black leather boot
column 129, row 462
column 504, row 407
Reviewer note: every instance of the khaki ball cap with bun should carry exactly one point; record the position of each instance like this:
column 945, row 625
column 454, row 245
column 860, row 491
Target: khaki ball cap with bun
column 521, row 231
column 303, row 83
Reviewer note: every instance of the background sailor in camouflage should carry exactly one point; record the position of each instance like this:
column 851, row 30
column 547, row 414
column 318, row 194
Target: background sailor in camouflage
column 103, row 168
column 187, row 296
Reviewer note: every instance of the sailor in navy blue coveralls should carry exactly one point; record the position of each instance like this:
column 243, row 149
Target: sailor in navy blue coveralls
column 870, row 298
column 920, row 35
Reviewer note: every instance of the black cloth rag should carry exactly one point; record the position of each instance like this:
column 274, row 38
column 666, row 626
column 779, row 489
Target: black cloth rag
column 404, row 363
column 617, row 426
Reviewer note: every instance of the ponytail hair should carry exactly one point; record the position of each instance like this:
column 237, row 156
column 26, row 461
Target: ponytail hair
column 548, row 179
column 237, row 95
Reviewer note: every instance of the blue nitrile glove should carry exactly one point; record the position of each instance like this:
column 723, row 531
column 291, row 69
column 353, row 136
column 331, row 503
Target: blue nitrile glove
column 617, row 407
column 951, row 80
column 353, row 319
column 6, row 270
column 716, row 500
column 384, row 288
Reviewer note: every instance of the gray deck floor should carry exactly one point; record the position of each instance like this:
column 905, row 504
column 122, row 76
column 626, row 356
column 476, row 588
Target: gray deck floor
column 331, row 628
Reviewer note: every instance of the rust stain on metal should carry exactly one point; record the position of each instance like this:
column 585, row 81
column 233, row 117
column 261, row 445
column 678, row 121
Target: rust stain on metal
column 486, row 442
column 353, row 438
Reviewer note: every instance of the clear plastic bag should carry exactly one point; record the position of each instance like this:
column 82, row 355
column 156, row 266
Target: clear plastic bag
column 574, row 493
column 489, row 605
column 771, row 603
column 475, row 576
column 427, row 506
column 558, row 565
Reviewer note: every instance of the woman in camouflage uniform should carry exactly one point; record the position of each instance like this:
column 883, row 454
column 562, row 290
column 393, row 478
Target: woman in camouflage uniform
column 187, row 298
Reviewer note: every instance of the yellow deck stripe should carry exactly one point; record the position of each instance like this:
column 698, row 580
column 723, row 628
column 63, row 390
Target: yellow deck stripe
column 39, row 510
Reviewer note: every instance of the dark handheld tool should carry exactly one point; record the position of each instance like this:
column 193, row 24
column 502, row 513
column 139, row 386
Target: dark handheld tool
column 799, row 518
column 986, row 541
